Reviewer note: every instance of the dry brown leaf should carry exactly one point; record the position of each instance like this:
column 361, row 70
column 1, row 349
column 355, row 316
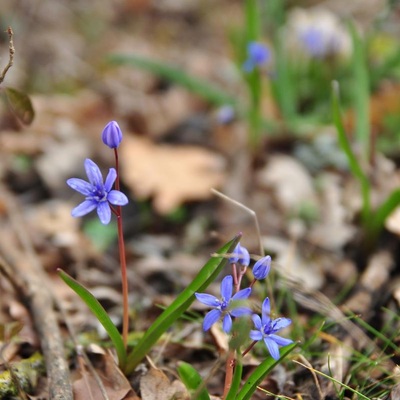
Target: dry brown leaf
column 155, row 385
column 171, row 174
column 114, row 381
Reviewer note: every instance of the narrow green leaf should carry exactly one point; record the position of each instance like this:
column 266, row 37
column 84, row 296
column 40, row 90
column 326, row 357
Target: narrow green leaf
column 20, row 104
column 100, row 313
column 361, row 93
column 260, row 372
column 354, row 165
column 384, row 210
column 204, row 89
column 205, row 277
column 192, row 380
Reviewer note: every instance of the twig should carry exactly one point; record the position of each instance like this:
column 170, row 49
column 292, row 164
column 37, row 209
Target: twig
column 28, row 278
column 11, row 52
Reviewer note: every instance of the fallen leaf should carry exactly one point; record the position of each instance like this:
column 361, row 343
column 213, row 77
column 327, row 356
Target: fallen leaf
column 155, row 385
column 171, row 174
column 114, row 381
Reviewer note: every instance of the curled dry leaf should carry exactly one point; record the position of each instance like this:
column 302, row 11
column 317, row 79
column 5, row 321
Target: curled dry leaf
column 171, row 174
column 155, row 385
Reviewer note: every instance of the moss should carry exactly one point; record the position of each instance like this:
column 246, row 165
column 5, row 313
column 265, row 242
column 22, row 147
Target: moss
column 22, row 375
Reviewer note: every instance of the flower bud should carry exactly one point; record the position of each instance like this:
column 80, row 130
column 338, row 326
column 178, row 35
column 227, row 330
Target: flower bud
column 240, row 256
column 112, row 135
column 262, row 267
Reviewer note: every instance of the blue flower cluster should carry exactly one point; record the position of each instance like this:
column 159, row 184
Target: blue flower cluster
column 98, row 194
column 232, row 306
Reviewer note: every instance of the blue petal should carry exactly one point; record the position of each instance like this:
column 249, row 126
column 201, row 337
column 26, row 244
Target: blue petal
column 266, row 320
column 226, row 288
column 266, row 307
column 242, row 294
column 281, row 323
column 84, row 208
column 80, row 186
column 104, row 212
column 255, row 335
column 117, row 198
column 240, row 311
column 272, row 347
column 262, row 267
column 211, row 318
column 257, row 321
column 280, row 341
column 111, row 177
column 93, row 173
column 227, row 323
column 207, row 299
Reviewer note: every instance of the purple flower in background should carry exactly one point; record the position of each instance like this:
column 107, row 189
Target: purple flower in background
column 240, row 256
column 223, row 308
column 98, row 194
column 225, row 114
column 112, row 135
column 266, row 329
column 258, row 55
column 262, row 267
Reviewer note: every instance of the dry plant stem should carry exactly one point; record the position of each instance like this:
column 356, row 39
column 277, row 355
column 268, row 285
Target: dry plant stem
column 249, row 211
column 122, row 258
column 230, row 366
column 249, row 348
column 11, row 52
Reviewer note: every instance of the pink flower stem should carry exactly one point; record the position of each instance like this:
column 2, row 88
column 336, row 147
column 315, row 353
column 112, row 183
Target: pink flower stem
column 122, row 257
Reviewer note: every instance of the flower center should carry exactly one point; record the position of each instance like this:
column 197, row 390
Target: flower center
column 99, row 194
column 224, row 305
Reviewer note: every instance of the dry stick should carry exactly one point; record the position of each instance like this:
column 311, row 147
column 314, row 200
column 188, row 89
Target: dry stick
column 11, row 52
column 32, row 284
column 29, row 250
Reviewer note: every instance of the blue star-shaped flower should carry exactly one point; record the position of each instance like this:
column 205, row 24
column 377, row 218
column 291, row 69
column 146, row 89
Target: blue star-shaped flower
column 98, row 194
column 223, row 308
column 266, row 329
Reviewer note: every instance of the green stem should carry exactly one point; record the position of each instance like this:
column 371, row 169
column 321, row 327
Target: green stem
column 122, row 255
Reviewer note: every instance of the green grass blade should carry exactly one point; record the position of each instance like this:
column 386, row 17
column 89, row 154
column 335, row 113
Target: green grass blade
column 207, row 275
column 237, row 378
column 384, row 210
column 260, row 372
column 204, row 89
column 354, row 165
column 100, row 313
column 192, row 380
column 361, row 93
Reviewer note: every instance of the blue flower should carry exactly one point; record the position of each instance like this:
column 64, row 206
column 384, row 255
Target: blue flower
column 98, row 194
column 262, row 267
column 223, row 308
column 258, row 55
column 240, row 256
column 266, row 329
column 112, row 135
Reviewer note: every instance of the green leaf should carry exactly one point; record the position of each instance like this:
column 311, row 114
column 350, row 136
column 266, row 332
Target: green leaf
column 204, row 278
column 192, row 380
column 100, row 313
column 260, row 372
column 354, row 165
column 20, row 104
column 361, row 93
column 204, row 89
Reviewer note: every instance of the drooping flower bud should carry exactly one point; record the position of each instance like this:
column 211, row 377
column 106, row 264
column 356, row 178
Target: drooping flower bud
column 240, row 256
column 262, row 267
column 112, row 135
